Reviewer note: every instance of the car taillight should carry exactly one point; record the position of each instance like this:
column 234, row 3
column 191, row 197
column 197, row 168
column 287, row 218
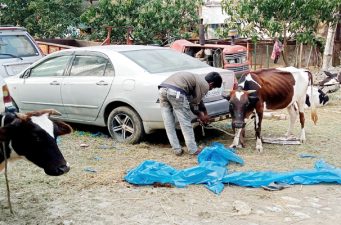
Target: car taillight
column 6, row 95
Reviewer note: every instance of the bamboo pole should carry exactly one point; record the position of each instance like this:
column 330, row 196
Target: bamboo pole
column 255, row 55
column 300, row 59
column 267, row 56
column 308, row 61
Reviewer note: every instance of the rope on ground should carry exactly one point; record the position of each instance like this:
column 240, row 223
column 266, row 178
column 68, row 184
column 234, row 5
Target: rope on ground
column 211, row 127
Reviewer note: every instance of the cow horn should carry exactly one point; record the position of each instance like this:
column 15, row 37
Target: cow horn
column 251, row 91
column 44, row 111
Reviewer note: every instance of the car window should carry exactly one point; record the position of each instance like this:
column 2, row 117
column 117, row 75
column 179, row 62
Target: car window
column 16, row 45
column 88, row 65
column 109, row 70
column 51, row 67
column 163, row 60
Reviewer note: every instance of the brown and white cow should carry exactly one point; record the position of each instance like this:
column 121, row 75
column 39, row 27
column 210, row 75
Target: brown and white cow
column 33, row 136
column 269, row 89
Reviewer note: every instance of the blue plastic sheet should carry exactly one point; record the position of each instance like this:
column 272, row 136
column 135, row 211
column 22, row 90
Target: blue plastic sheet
column 212, row 172
column 322, row 173
column 219, row 154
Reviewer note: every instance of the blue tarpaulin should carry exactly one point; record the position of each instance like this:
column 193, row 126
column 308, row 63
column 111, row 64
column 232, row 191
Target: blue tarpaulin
column 212, row 172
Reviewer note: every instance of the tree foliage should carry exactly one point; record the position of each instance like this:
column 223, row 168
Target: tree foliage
column 42, row 18
column 152, row 21
column 288, row 18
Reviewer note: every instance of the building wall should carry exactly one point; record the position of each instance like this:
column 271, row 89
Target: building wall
column 213, row 17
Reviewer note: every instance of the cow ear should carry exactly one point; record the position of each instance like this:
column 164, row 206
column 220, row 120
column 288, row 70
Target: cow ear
column 61, row 128
column 329, row 74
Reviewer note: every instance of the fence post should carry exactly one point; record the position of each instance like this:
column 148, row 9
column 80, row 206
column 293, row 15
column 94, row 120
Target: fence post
column 255, row 55
column 267, row 56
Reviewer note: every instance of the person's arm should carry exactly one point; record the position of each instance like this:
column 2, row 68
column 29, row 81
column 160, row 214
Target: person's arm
column 203, row 115
column 201, row 112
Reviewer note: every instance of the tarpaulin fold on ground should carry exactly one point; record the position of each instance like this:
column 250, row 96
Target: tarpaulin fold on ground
column 212, row 172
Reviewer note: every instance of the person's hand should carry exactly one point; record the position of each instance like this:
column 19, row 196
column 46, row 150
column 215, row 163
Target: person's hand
column 203, row 118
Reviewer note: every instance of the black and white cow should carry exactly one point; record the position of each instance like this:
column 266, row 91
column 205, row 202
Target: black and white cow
column 33, row 136
column 270, row 89
column 317, row 96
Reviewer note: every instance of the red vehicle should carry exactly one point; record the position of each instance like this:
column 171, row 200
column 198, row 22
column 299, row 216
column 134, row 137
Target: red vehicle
column 231, row 57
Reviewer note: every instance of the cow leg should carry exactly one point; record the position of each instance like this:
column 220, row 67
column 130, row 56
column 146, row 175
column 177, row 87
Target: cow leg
column 292, row 118
column 242, row 138
column 302, row 119
column 236, row 138
column 258, row 128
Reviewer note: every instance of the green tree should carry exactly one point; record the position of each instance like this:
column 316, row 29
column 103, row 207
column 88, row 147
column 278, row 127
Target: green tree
column 43, row 18
column 288, row 18
column 152, row 21
column 15, row 12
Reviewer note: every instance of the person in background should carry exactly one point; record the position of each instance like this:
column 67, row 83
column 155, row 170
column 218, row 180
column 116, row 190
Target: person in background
column 181, row 94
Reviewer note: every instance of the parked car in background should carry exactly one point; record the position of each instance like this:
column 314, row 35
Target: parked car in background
column 114, row 86
column 17, row 50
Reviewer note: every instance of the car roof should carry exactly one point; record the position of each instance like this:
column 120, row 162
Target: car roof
column 115, row 48
column 11, row 28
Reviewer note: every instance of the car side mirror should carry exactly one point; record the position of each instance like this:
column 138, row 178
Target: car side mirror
column 26, row 73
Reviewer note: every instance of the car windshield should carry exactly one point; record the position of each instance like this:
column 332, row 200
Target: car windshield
column 16, row 46
column 163, row 60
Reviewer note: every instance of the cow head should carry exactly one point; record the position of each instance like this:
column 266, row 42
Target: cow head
column 241, row 104
column 33, row 136
column 331, row 78
column 331, row 83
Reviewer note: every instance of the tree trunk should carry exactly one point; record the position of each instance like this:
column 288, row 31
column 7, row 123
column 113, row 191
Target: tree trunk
column 284, row 52
column 328, row 48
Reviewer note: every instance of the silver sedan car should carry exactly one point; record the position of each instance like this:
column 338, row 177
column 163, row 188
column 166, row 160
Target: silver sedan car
column 114, row 86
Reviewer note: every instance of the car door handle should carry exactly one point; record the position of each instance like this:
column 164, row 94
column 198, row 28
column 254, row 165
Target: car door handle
column 102, row 83
column 54, row 83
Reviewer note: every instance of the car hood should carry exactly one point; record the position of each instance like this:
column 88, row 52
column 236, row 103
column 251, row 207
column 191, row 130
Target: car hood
column 13, row 66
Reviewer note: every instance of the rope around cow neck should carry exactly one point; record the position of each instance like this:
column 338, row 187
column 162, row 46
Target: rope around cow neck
column 6, row 177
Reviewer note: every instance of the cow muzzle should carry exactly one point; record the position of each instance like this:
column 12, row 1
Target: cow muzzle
column 58, row 171
column 238, row 124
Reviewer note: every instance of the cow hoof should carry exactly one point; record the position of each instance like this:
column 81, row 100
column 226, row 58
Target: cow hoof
column 259, row 149
column 233, row 146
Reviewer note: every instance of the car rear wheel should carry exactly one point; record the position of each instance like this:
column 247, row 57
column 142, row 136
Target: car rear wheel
column 125, row 125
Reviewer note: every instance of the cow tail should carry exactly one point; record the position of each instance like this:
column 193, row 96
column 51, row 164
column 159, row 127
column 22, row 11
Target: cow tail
column 314, row 116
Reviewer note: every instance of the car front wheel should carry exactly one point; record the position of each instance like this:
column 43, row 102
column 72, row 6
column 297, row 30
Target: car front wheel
column 125, row 125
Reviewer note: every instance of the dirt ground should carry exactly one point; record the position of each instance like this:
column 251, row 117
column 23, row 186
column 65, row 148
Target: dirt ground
column 94, row 191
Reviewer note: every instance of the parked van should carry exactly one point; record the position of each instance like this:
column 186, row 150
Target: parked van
column 17, row 50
